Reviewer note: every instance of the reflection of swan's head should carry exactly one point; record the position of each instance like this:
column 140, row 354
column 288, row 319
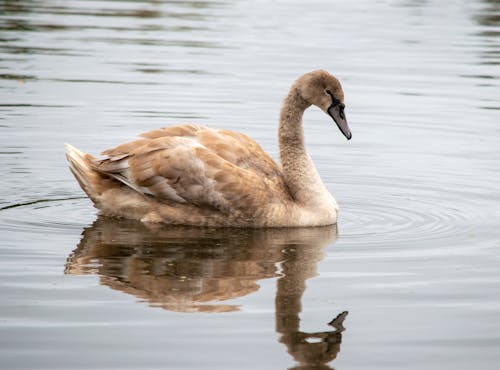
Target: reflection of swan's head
column 323, row 90
column 315, row 350
column 186, row 268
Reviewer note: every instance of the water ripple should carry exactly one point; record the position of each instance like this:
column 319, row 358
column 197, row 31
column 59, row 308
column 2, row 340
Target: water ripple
column 52, row 216
column 402, row 220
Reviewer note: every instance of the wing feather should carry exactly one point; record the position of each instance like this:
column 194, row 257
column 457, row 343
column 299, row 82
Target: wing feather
column 219, row 169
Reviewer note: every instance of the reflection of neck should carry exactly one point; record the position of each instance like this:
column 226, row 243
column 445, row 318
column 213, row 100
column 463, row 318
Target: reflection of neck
column 300, row 265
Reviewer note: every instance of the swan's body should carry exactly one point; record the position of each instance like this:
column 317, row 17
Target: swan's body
column 194, row 175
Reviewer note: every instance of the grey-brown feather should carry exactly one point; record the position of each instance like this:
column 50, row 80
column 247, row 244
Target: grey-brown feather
column 199, row 166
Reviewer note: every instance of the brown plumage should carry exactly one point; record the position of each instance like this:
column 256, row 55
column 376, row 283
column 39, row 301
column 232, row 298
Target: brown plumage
column 194, row 175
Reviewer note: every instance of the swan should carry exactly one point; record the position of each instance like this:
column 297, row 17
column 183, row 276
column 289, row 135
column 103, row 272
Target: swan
column 195, row 175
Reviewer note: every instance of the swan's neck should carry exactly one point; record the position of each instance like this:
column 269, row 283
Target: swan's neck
column 301, row 176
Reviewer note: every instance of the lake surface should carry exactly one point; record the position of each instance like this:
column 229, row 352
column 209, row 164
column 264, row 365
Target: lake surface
column 415, row 258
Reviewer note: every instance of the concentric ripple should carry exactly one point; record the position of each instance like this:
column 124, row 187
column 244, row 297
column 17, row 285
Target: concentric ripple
column 388, row 218
column 402, row 214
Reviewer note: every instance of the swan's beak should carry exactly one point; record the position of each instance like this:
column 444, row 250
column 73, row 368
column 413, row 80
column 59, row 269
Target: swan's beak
column 337, row 113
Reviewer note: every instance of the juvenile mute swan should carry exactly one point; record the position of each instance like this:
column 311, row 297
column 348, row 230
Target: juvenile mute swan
column 193, row 175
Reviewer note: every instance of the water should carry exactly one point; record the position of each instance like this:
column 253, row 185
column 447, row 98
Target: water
column 414, row 259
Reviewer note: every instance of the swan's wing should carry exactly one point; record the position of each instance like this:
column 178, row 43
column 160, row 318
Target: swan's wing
column 182, row 169
column 237, row 148
column 240, row 150
column 188, row 131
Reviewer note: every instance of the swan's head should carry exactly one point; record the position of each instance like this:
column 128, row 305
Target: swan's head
column 325, row 91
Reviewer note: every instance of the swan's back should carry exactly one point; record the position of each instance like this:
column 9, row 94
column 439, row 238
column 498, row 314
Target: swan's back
column 234, row 147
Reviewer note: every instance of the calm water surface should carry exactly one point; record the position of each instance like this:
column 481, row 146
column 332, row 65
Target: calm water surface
column 415, row 258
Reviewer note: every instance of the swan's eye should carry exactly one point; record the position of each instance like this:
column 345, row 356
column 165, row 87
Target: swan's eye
column 335, row 101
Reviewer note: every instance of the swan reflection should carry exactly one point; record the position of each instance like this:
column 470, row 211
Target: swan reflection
column 188, row 269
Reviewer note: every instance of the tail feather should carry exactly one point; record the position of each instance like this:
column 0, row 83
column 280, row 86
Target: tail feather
column 81, row 166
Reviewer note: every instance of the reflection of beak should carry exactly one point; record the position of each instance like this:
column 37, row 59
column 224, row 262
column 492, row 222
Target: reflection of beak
column 337, row 113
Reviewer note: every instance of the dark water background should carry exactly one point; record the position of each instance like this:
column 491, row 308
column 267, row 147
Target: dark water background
column 415, row 259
